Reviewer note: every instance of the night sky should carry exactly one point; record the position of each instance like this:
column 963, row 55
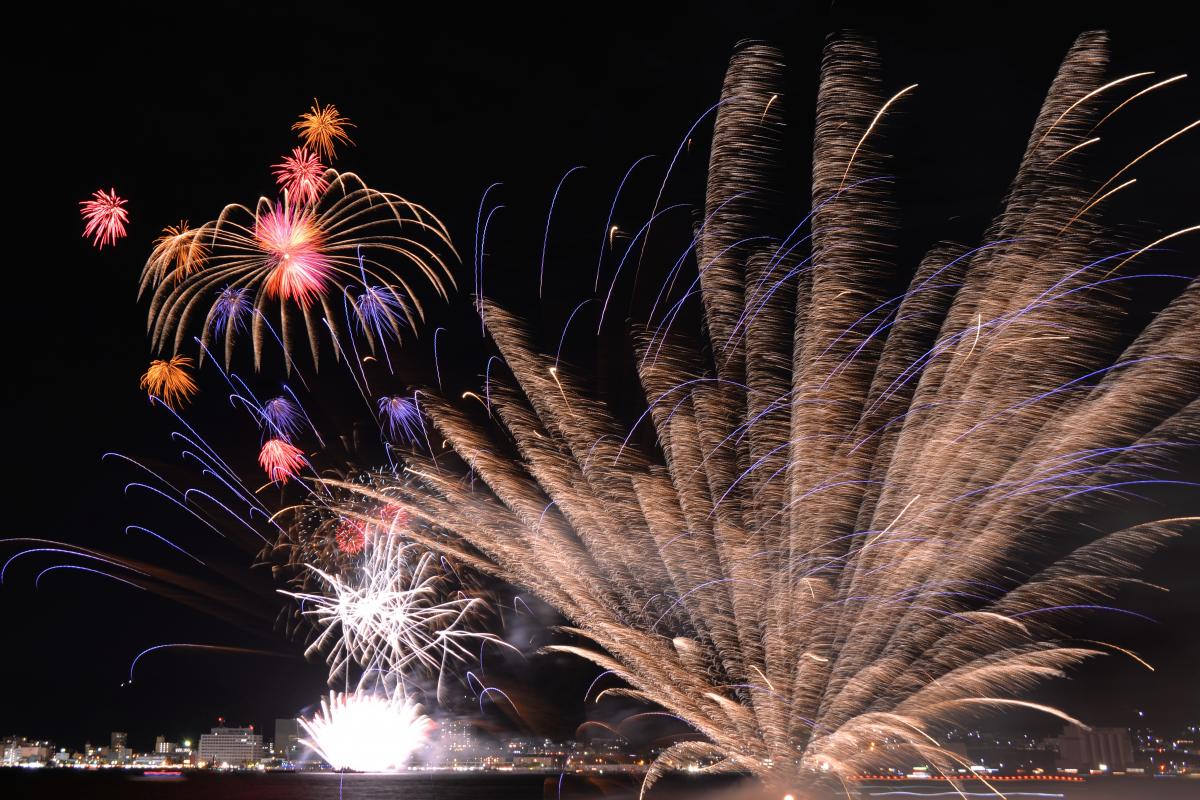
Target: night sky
column 184, row 111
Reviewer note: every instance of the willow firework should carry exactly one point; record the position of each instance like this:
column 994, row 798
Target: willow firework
column 294, row 252
column 862, row 517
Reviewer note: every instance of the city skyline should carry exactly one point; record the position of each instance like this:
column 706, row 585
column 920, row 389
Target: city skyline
column 458, row 745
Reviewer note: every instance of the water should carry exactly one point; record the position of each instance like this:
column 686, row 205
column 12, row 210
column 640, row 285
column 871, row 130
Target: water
column 19, row 784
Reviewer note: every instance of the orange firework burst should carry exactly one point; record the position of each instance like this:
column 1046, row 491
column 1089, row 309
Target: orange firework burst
column 178, row 252
column 281, row 460
column 169, row 381
column 105, row 217
column 302, row 175
column 321, row 127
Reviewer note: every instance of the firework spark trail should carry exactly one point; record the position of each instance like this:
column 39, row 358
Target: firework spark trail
column 854, row 524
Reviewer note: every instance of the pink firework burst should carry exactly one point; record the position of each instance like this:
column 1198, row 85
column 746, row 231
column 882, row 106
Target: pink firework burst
column 292, row 238
column 281, row 460
column 302, row 175
column 105, row 217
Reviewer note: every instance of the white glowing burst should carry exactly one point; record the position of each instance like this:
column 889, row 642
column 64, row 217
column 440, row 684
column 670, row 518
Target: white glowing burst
column 391, row 613
column 365, row 731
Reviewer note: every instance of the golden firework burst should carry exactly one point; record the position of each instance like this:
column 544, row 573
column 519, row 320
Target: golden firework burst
column 322, row 127
column 178, row 252
column 169, row 381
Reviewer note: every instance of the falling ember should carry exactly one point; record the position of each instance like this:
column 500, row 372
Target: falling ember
column 302, row 176
column 322, row 127
column 290, row 237
column 281, row 460
column 366, row 732
column 105, row 217
column 169, row 381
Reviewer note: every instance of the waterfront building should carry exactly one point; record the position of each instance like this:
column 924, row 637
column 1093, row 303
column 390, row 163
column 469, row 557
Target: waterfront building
column 1099, row 749
column 234, row 747
column 16, row 750
column 287, row 739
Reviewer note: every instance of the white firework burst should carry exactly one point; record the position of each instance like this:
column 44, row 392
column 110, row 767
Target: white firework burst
column 394, row 612
column 366, row 731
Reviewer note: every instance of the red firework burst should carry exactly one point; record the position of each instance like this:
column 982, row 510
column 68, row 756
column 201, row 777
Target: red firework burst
column 302, row 175
column 281, row 460
column 351, row 537
column 394, row 518
column 104, row 217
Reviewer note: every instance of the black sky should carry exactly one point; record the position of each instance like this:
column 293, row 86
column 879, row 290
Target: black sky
column 182, row 111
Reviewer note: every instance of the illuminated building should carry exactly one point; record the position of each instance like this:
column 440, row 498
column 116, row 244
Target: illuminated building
column 287, row 738
column 1101, row 749
column 231, row 746
column 118, row 749
column 18, row 750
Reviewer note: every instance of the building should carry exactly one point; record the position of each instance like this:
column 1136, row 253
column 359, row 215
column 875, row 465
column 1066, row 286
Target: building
column 162, row 746
column 287, row 739
column 234, row 747
column 1100, row 749
column 118, row 749
column 16, row 750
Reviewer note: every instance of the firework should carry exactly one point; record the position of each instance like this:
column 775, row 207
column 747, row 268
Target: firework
column 851, row 528
column 281, row 460
column 282, row 417
column 302, row 176
column 365, row 731
column 351, row 537
column 289, row 254
column 392, row 611
column 379, row 312
column 293, row 243
column 322, row 127
column 230, row 310
column 402, row 418
column 169, row 381
column 177, row 253
column 104, row 217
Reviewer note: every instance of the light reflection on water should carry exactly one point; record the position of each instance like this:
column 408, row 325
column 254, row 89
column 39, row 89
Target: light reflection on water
column 51, row 784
